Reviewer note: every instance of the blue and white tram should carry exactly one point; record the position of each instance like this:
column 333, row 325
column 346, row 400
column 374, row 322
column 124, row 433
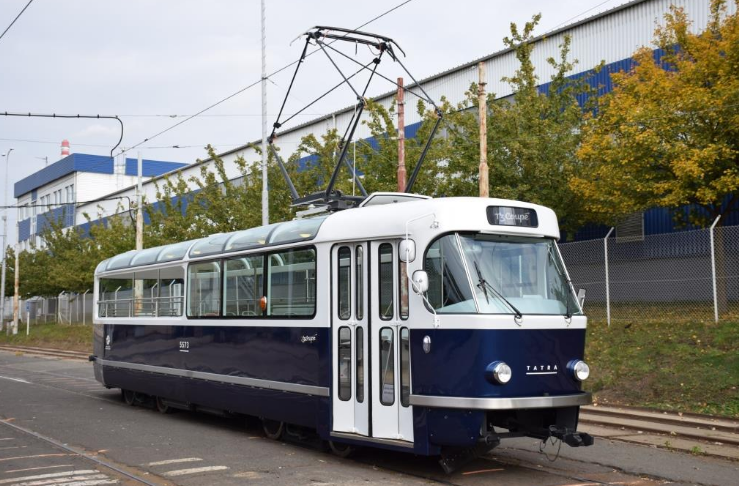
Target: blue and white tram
column 433, row 326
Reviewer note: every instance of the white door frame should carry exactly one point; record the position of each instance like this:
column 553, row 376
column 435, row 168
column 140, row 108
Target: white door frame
column 390, row 419
column 350, row 411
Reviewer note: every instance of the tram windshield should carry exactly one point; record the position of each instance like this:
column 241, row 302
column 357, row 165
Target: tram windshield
column 496, row 274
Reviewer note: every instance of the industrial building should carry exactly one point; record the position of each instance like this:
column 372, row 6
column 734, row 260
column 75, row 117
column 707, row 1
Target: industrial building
column 65, row 190
column 610, row 37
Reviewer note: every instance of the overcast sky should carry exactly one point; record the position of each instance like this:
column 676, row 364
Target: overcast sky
column 147, row 60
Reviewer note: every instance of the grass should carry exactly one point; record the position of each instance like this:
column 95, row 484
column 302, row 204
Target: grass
column 687, row 367
column 74, row 337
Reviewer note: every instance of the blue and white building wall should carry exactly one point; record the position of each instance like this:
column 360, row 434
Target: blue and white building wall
column 56, row 192
column 610, row 37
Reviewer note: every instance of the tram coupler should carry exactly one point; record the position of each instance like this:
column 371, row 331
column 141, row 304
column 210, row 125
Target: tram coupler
column 571, row 438
column 454, row 458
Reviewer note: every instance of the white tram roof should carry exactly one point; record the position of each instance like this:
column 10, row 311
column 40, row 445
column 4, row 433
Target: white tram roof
column 373, row 221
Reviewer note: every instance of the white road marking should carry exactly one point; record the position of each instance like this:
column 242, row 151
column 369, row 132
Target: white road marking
column 87, row 479
column 37, row 468
column 174, row 461
column 31, row 457
column 14, row 447
column 90, row 483
column 7, row 438
column 194, row 470
column 50, row 475
column 19, row 380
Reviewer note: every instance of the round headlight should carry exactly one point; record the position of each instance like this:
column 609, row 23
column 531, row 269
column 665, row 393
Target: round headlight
column 581, row 370
column 500, row 372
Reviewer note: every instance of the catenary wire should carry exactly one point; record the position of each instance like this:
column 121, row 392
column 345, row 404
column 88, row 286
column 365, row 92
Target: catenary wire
column 16, row 18
column 223, row 100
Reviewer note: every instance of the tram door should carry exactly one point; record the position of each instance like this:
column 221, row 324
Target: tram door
column 349, row 274
column 392, row 415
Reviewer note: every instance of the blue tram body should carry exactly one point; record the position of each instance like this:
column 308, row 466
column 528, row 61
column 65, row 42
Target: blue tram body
column 429, row 326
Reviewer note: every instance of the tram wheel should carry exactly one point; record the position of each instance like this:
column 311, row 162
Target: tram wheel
column 273, row 429
column 129, row 397
column 340, row 449
column 162, row 407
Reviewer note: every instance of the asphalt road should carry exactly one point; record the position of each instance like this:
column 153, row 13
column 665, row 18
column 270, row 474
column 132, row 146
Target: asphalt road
column 58, row 426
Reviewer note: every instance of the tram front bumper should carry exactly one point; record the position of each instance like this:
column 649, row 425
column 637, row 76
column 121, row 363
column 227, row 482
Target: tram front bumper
column 501, row 403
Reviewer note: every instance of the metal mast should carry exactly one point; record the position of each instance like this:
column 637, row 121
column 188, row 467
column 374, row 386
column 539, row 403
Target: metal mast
column 265, row 192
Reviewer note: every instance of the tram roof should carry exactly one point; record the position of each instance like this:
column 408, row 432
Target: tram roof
column 369, row 222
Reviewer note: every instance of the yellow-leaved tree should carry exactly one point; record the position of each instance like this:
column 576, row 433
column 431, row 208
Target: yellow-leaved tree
column 668, row 133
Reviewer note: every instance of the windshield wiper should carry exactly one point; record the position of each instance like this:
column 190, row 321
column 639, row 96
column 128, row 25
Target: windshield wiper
column 481, row 283
column 485, row 286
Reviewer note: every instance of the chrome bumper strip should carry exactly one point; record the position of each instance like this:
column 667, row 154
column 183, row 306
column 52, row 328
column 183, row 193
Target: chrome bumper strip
column 469, row 403
column 319, row 391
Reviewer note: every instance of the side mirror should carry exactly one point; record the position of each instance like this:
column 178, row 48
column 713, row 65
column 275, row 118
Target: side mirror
column 581, row 297
column 407, row 251
column 420, row 281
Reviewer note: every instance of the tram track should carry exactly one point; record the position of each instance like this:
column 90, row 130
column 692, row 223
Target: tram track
column 51, row 352
column 117, row 469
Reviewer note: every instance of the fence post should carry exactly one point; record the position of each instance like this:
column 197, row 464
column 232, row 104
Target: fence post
column 713, row 271
column 84, row 304
column 608, row 290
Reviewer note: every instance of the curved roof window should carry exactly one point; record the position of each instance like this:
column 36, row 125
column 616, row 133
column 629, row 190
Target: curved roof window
column 101, row 266
column 209, row 246
column 121, row 261
column 251, row 238
column 145, row 257
column 298, row 230
column 175, row 251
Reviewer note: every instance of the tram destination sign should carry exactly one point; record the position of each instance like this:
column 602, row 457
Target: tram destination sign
column 510, row 216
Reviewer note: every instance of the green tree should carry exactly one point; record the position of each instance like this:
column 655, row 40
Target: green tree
column 668, row 134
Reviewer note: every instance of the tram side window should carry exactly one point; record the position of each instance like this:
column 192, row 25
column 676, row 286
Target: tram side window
column 244, row 286
column 387, row 366
column 115, row 296
column 291, row 283
column 405, row 367
column 403, row 289
column 449, row 288
column 146, row 293
column 386, row 282
column 204, row 284
column 360, row 282
column 344, row 282
column 345, row 363
column 171, row 292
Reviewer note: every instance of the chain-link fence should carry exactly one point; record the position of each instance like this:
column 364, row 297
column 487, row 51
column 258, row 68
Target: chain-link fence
column 686, row 276
column 66, row 308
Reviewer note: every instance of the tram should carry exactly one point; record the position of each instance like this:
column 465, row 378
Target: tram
column 434, row 326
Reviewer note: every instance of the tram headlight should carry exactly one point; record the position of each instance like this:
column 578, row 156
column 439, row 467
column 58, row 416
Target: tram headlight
column 580, row 369
column 498, row 373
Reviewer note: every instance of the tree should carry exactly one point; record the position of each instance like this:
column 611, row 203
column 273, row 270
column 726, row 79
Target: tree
column 668, row 134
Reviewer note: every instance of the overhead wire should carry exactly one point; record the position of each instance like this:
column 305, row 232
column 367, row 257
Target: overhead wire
column 223, row 100
column 15, row 19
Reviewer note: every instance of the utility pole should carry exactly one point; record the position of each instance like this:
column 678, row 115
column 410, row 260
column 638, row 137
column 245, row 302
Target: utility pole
column 265, row 189
column 139, row 209
column 483, row 115
column 17, row 274
column 401, row 137
column 5, row 240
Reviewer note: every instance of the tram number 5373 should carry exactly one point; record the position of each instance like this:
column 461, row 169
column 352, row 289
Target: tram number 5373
column 184, row 346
